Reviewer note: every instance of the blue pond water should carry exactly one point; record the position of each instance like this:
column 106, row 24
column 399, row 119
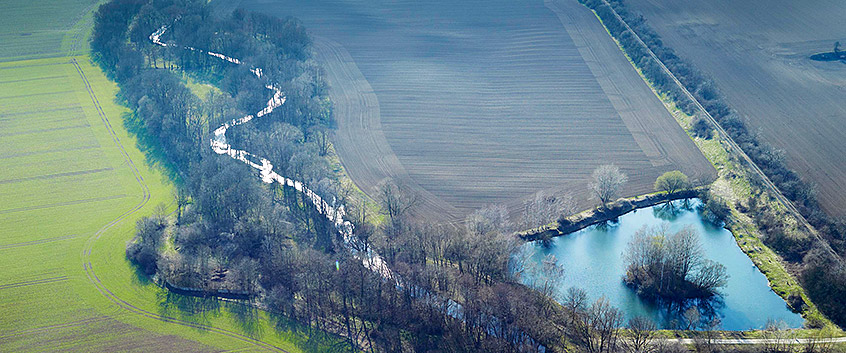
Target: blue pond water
column 593, row 261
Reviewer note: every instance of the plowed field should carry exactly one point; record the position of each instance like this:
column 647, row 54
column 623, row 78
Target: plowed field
column 758, row 53
column 479, row 102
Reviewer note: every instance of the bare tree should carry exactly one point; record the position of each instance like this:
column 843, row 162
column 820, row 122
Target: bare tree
column 606, row 182
column 396, row 199
column 776, row 337
column 180, row 195
column 671, row 266
column 543, row 208
column 321, row 138
column 546, row 277
column 606, row 321
column 492, row 218
column 705, row 343
column 642, row 332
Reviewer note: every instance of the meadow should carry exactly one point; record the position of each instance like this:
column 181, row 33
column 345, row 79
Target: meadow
column 474, row 103
column 72, row 184
column 758, row 53
column 40, row 29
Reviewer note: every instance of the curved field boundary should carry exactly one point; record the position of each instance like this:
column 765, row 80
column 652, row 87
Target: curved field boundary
column 368, row 157
column 86, row 252
column 733, row 146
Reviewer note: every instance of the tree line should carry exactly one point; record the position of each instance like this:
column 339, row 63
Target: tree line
column 793, row 244
column 232, row 233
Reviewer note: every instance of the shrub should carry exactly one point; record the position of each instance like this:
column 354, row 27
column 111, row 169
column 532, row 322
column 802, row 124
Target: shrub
column 701, row 128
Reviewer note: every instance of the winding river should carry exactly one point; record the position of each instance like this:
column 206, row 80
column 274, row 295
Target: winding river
column 592, row 257
column 333, row 211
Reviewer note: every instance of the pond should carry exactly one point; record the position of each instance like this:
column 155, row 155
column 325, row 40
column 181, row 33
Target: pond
column 593, row 260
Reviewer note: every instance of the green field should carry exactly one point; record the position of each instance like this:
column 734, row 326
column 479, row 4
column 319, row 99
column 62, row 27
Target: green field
column 72, row 185
column 44, row 28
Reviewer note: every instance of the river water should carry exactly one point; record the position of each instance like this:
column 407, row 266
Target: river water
column 593, row 260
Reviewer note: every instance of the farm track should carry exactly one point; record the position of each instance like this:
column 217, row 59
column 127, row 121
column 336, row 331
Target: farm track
column 85, row 321
column 57, row 175
column 735, row 148
column 86, row 252
column 65, row 203
column 36, row 242
column 34, row 282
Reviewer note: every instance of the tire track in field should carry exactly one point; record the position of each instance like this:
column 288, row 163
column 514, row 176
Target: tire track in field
column 40, row 111
column 86, row 251
column 36, row 242
column 34, row 282
column 33, row 79
column 37, row 131
column 57, row 175
column 59, row 204
column 37, row 94
column 85, row 321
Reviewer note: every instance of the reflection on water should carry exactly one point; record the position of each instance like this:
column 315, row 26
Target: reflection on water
column 593, row 260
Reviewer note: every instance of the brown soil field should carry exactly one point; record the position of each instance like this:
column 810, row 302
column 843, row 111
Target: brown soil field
column 758, row 52
column 482, row 102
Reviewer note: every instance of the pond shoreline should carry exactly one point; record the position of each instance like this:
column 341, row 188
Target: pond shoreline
column 596, row 215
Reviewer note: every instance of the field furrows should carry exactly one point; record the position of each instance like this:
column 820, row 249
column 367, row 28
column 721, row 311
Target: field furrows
column 88, row 334
column 40, row 30
column 486, row 102
column 759, row 50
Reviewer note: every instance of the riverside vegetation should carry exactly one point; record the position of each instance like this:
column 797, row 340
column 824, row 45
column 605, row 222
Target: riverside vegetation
column 232, row 233
column 823, row 275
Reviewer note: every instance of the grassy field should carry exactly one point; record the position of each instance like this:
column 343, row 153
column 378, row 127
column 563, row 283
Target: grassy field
column 44, row 28
column 479, row 102
column 758, row 54
column 72, row 185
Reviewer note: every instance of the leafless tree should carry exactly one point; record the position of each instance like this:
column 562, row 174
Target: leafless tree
column 546, row 277
column 671, row 265
column 543, row 208
column 493, row 218
column 705, row 342
column 396, row 199
column 606, row 182
column 321, row 138
column 641, row 334
column 595, row 328
column 776, row 337
column 180, row 195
